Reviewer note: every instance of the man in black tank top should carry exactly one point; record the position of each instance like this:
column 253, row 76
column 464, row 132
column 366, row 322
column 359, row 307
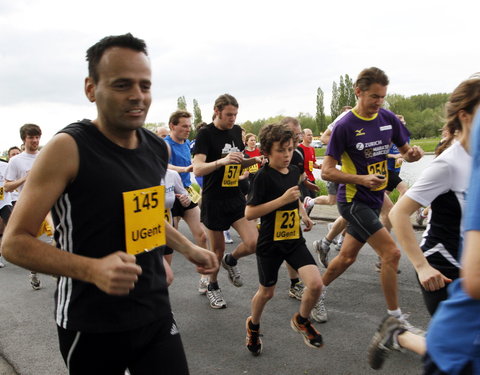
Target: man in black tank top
column 101, row 179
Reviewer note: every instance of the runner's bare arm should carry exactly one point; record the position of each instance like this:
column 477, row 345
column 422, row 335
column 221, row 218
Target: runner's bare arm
column 205, row 260
column 471, row 264
column 202, row 168
column 411, row 153
column 179, row 169
column 11, row 185
column 325, row 137
column 331, row 173
column 254, row 212
column 55, row 167
column 430, row 278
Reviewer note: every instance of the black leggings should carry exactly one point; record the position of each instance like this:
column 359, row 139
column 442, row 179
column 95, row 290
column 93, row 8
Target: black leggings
column 433, row 299
column 154, row 349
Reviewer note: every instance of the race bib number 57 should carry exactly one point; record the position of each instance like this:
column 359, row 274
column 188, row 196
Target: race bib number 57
column 231, row 175
column 144, row 219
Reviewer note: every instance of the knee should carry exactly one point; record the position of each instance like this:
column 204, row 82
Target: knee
column 392, row 256
column 315, row 286
column 332, row 199
column 347, row 259
column 250, row 245
column 266, row 294
column 201, row 237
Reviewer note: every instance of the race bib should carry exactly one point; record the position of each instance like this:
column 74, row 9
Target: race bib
column 2, row 195
column 253, row 168
column 168, row 216
column 398, row 163
column 379, row 168
column 46, row 229
column 310, row 165
column 231, row 175
column 144, row 211
column 193, row 194
column 287, row 225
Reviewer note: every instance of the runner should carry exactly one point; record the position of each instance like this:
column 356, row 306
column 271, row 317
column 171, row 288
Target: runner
column 443, row 187
column 18, row 170
column 218, row 157
column 102, row 179
column 310, row 162
column 451, row 346
column 180, row 125
column 274, row 198
column 296, row 285
column 361, row 140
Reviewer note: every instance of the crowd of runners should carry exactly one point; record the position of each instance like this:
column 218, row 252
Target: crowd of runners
column 109, row 196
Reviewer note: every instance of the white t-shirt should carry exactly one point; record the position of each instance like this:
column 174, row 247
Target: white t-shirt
column 334, row 122
column 6, row 196
column 443, row 186
column 19, row 166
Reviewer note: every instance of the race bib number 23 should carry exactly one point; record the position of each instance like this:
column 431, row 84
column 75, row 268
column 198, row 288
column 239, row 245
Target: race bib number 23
column 287, row 225
column 144, row 219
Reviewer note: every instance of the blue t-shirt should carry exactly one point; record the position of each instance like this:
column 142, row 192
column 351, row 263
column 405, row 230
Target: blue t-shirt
column 180, row 157
column 453, row 338
column 362, row 145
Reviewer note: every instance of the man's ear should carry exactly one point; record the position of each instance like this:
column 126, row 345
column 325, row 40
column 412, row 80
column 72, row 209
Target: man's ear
column 90, row 89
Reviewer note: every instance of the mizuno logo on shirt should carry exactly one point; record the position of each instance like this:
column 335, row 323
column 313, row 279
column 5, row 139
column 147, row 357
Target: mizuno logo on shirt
column 359, row 132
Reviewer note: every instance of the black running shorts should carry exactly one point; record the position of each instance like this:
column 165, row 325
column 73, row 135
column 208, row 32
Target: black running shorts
column 268, row 266
column 393, row 180
column 219, row 215
column 363, row 221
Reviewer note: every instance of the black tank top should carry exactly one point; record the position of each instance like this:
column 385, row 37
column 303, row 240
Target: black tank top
column 89, row 221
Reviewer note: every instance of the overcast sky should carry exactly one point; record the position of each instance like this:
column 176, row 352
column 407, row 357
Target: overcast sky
column 271, row 55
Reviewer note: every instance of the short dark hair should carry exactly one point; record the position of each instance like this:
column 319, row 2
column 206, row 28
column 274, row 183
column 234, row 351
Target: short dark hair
column 95, row 52
column 29, row 129
column 369, row 76
column 275, row 133
column 177, row 115
column 13, row 148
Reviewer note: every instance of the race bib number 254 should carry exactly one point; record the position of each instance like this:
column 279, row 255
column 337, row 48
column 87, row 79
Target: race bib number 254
column 144, row 219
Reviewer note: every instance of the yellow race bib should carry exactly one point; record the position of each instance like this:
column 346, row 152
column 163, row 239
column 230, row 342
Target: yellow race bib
column 231, row 175
column 253, row 168
column 287, row 225
column 194, row 195
column 2, row 193
column 310, row 165
column 168, row 216
column 398, row 163
column 379, row 168
column 144, row 211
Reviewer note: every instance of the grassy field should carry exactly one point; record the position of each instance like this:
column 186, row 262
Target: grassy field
column 427, row 144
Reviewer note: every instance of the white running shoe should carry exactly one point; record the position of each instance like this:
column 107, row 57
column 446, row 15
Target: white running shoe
column 215, row 297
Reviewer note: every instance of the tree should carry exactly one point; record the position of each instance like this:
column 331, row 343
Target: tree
column 320, row 118
column 334, row 112
column 182, row 103
column 197, row 113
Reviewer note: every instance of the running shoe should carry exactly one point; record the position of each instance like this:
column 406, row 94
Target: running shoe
column 319, row 312
column 310, row 335
column 203, row 285
column 215, row 297
column 409, row 327
column 233, row 273
column 34, row 281
column 384, row 341
column 322, row 248
column 296, row 291
column 339, row 242
column 253, row 340
column 227, row 237
column 308, row 203
column 1, row 262
column 419, row 217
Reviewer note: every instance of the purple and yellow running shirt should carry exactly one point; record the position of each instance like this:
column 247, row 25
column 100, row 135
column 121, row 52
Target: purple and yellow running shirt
column 361, row 145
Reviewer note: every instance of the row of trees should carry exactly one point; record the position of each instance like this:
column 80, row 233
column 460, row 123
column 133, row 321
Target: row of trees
column 423, row 113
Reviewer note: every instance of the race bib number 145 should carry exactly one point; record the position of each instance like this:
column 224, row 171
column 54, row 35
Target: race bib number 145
column 144, row 219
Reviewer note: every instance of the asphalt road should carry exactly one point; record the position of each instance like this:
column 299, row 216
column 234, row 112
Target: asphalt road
column 214, row 339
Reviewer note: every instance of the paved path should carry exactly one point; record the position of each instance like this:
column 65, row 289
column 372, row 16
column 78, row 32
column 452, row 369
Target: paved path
column 214, row 339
